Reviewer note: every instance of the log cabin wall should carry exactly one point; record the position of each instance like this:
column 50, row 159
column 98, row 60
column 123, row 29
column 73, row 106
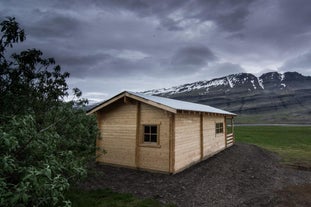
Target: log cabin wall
column 118, row 133
column 184, row 137
column 212, row 142
column 154, row 156
column 187, row 140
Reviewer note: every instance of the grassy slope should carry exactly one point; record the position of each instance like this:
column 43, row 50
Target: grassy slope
column 272, row 118
column 107, row 198
column 293, row 144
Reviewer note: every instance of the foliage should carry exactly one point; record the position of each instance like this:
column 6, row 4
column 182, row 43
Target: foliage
column 107, row 198
column 292, row 143
column 44, row 141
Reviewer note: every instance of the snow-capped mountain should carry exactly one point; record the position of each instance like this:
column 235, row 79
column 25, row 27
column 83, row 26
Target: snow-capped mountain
column 238, row 82
column 286, row 97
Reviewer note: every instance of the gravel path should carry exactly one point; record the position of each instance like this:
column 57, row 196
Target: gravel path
column 243, row 175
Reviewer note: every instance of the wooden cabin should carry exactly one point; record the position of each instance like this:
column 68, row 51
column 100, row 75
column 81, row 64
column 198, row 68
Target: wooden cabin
column 160, row 134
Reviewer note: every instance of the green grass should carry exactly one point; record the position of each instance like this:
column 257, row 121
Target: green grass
column 292, row 143
column 107, row 198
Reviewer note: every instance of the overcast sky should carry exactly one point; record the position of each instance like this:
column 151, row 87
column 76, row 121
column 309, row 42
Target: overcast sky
column 116, row 45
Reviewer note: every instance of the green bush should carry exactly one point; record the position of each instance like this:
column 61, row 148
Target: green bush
column 44, row 141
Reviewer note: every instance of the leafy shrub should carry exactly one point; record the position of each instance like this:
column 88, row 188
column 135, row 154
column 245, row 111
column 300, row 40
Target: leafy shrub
column 44, row 141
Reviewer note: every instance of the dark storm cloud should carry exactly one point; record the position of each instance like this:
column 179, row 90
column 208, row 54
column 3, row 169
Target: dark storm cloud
column 222, row 69
column 101, row 65
column 297, row 14
column 170, row 24
column 80, row 65
column 107, row 66
column 146, row 8
column 281, row 24
column 230, row 15
column 301, row 63
column 193, row 56
column 134, row 44
column 55, row 25
column 159, row 9
column 227, row 14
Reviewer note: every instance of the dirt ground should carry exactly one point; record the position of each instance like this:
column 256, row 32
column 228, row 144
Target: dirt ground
column 243, row 175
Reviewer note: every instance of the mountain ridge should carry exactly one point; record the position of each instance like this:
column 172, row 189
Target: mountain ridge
column 233, row 80
column 269, row 98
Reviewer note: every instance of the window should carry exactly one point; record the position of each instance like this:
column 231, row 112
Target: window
column 150, row 134
column 219, row 128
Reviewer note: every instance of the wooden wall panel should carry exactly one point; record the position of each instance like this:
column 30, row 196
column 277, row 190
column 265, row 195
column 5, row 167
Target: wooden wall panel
column 212, row 142
column 184, row 138
column 187, row 140
column 155, row 157
column 118, row 134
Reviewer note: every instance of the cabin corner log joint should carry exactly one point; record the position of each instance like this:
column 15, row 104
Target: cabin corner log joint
column 160, row 134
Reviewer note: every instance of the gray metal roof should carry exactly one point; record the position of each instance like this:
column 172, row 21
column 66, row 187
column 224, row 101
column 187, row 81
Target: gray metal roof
column 181, row 105
column 171, row 103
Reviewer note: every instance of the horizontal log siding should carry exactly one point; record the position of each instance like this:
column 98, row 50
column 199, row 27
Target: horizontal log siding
column 187, row 140
column 212, row 142
column 155, row 158
column 118, row 134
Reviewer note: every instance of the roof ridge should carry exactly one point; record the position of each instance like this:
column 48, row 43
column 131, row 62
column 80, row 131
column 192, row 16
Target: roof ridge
column 180, row 101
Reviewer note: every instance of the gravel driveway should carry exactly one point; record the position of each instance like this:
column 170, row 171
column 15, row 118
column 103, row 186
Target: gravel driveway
column 243, row 175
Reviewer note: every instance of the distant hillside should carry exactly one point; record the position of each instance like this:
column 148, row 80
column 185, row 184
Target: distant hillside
column 270, row 98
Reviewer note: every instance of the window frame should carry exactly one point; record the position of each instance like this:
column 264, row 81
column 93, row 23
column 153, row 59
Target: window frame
column 150, row 143
column 219, row 128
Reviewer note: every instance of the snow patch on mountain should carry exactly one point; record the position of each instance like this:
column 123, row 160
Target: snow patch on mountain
column 260, row 82
column 229, row 81
column 252, row 81
column 216, row 83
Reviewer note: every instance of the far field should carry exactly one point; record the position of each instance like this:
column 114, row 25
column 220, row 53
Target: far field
column 292, row 143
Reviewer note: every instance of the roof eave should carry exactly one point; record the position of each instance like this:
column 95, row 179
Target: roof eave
column 149, row 102
column 130, row 95
column 207, row 112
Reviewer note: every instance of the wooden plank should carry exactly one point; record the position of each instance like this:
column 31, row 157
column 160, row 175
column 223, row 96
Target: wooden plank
column 201, row 135
column 138, row 115
column 118, row 128
column 225, row 130
column 187, row 140
column 157, row 157
column 229, row 145
column 232, row 124
column 172, row 144
column 230, row 141
column 229, row 138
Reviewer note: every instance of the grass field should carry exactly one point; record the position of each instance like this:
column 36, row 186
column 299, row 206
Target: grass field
column 107, row 198
column 292, row 143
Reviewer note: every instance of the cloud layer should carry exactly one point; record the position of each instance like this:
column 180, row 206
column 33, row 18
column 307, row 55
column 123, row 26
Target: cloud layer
column 109, row 46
